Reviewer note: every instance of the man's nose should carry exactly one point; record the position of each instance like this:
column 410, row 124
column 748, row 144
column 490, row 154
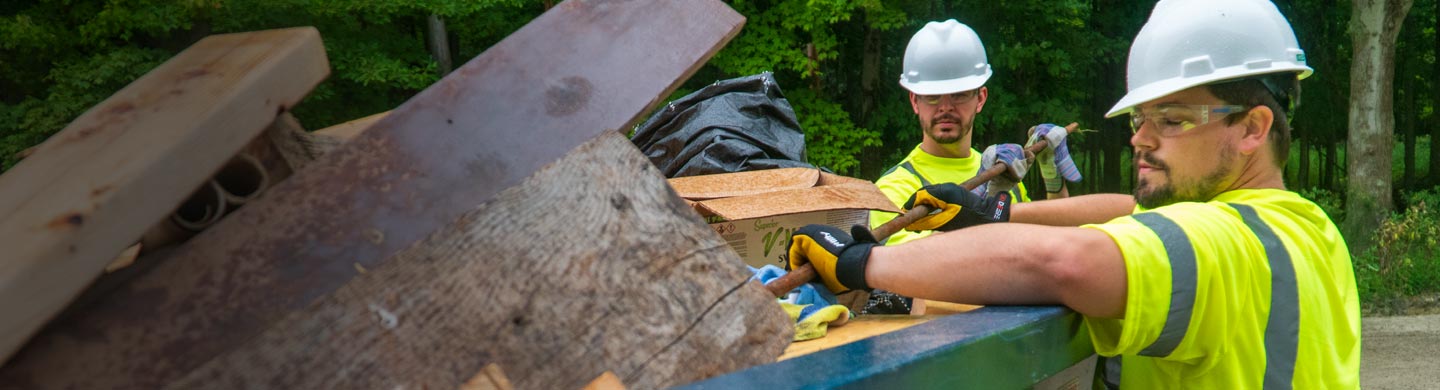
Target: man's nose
column 946, row 104
column 1144, row 137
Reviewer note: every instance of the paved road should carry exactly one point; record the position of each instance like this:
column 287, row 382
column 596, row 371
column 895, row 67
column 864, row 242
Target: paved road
column 1400, row 352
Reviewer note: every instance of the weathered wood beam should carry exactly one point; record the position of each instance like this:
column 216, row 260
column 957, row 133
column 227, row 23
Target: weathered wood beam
column 90, row 191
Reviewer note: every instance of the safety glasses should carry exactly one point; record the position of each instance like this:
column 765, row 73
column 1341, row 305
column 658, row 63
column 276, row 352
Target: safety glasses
column 1173, row 119
column 955, row 98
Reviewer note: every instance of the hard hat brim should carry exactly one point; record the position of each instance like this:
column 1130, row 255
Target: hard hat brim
column 1160, row 89
column 942, row 87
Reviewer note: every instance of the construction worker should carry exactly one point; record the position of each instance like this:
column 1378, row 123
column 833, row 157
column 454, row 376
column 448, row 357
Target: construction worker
column 1211, row 276
column 945, row 70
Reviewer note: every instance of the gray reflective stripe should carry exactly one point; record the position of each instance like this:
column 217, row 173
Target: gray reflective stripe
column 911, row 168
column 1111, row 374
column 1282, row 329
column 1182, row 282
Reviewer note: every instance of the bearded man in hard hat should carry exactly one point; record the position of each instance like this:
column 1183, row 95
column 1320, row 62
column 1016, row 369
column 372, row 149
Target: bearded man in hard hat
column 1218, row 278
column 945, row 69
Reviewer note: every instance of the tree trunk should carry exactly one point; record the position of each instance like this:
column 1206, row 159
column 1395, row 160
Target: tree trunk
column 1374, row 24
column 439, row 43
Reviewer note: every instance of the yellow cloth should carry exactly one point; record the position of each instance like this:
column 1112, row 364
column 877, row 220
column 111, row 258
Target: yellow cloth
column 1212, row 314
column 815, row 325
column 898, row 184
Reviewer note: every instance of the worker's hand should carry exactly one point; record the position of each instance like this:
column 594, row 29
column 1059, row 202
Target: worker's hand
column 838, row 258
column 1054, row 161
column 1013, row 156
column 957, row 207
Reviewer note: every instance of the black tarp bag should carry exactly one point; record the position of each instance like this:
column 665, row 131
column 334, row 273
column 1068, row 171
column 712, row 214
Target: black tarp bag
column 740, row 124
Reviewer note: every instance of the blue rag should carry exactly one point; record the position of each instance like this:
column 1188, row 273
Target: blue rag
column 807, row 294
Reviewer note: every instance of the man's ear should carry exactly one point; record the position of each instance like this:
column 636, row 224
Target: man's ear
column 980, row 97
column 1257, row 125
column 914, row 103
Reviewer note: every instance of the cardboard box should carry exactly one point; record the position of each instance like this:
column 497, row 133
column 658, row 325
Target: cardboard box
column 757, row 211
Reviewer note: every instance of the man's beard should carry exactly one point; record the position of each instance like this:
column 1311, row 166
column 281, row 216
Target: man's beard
column 1151, row 196
column 963, row 128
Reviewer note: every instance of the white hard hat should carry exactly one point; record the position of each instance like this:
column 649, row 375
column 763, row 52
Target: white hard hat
column 944, row 57
column 1193, row 42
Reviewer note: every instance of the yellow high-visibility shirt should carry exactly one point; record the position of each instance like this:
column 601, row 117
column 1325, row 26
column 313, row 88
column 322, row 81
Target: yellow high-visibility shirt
column 920, row 169
column 1253, row 289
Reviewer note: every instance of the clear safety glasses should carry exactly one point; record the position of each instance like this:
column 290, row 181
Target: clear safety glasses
column 1173, row 119
column 955, row 98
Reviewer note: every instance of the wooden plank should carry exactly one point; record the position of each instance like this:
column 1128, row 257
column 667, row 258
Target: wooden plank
column 606, row 381
column 942, row 307
column 489, row 378
column 458, row 277
column 126, row 258
column 866, row 326
column 89, row 191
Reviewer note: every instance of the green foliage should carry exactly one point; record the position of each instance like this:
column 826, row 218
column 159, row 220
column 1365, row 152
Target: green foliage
column 895, row 114
column 831, row 139
column 377, row 50
column 1405, row 261
column 78, row 84
column 58, row 58
column 795, row 35
column 800, row 40
column 1422, row 159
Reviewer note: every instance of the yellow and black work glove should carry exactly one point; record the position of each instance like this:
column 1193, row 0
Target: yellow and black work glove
column 958, row 208
column 838, row 258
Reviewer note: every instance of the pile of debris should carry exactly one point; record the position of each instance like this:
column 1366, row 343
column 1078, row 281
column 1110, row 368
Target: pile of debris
column 494, row 230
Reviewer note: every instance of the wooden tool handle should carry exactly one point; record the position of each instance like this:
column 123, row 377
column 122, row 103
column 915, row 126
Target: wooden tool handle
column 806, row 272
column 799, row 276
column 997, row 169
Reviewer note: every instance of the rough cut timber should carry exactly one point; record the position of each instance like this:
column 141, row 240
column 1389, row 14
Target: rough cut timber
column 590, row 264
column 497, row 217
column 91, row 190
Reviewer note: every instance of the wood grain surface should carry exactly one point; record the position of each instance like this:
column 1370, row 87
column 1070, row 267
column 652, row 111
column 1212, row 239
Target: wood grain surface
column 91, row 190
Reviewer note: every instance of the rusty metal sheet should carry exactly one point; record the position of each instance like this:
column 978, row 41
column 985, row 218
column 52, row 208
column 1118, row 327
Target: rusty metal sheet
column 581, row 69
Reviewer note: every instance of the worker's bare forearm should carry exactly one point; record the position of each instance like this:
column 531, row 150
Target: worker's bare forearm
column 1007, row 264
column 1073, row 211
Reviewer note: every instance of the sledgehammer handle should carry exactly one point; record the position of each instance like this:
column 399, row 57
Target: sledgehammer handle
column 782, row 285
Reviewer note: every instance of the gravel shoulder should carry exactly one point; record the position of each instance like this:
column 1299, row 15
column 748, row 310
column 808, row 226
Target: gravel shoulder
column 1401, row 352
